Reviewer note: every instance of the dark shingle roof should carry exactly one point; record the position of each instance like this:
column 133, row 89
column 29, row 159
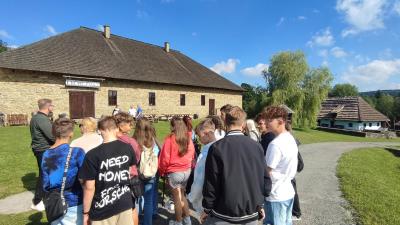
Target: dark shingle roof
column 349, row 108
column 87, row 52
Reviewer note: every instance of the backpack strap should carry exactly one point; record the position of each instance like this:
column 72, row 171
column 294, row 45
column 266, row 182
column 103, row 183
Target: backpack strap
column 66, row 167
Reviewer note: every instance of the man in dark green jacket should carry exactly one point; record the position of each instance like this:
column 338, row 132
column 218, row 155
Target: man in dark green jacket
column 42, row 139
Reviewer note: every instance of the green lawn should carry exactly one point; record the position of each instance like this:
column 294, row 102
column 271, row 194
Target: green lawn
column 370, row 181
column 18, row 165
column 315, row 136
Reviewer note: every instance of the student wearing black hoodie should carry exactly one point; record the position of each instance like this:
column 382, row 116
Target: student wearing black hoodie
column 235, row 177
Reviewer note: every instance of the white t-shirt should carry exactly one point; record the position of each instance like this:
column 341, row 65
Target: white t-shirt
column 132, row 112
column 219, row 134
column 282, row 158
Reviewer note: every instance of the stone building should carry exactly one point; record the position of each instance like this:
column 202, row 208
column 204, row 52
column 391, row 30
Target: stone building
column 87, row 72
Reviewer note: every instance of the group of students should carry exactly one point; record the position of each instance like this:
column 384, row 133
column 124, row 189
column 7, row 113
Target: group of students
column 233, row 179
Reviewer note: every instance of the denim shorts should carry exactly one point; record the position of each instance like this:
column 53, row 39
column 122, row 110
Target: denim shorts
column 74, row 216
column 178, row 179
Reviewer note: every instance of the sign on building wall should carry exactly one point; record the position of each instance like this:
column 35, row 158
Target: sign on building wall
column 82, row 83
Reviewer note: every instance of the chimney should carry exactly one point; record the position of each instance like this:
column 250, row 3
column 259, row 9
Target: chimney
column 107, row 31
column 166, row 46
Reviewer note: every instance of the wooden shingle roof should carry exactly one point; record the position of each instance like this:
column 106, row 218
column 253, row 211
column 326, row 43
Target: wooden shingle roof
column 349, row 108
column 87, row 52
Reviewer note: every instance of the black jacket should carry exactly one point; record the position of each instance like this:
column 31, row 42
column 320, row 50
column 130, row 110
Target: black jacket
column 234, row 186
column 41, row 132
column 266, row 138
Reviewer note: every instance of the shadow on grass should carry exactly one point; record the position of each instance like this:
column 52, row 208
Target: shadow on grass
column 394, row 151
column 29, row 181
column 35, row 219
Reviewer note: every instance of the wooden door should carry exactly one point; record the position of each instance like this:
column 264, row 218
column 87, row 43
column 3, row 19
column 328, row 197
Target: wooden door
column 211, row 106
column 81, row 104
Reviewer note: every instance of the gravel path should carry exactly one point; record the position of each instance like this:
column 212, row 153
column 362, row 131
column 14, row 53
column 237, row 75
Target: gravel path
column 321, row 200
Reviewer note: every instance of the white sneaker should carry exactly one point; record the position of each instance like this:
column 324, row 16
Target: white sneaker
column 295, row 218
column 39, row 207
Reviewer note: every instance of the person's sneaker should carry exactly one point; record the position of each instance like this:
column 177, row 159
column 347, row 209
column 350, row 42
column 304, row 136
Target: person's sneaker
column 187, row 221
column 39, row 207
column 174, row 222
column 295, row 218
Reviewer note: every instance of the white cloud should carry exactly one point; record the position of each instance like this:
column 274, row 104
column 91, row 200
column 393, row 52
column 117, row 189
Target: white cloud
column 325, row 63
column 281, row 21
column 301, row 18
column 225, row 67
column 322, row 38
column 373, row 75
column 141, row 14
column 396, row 7
column 386, row 54
column 323, row 53
column 167, row 1
column 361, row 15
column 315, row 11
column 194, row 34
column 50, row 30
column 13, row 46
column 5, row 34
column 338, row 52
column 255, row 70
column 100, row 27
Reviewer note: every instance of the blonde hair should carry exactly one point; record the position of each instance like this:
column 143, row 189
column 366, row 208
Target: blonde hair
column 207, row 123
column 89, row 124
column 251, row 126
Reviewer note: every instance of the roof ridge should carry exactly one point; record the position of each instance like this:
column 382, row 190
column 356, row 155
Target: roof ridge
column 130, row 39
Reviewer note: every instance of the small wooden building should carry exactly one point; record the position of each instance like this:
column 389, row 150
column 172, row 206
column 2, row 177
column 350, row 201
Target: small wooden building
column 350, row 113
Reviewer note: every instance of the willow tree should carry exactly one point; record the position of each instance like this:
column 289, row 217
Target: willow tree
column 284, row 79
column 316, row 86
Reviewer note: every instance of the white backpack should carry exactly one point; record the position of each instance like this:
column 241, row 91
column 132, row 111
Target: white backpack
column 148, row 163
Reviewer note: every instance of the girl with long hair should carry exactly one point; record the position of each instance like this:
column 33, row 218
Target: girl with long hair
column 175, row 162
column 145, row 135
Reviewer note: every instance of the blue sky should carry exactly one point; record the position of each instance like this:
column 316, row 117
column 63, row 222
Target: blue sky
column 357, row 39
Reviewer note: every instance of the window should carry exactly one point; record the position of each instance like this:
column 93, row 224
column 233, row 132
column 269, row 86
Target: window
column 112, row 97
column 365, row 125
column 370, row 124
column 152, row 98
column 203, row 100
column 350, row 124
column 378, row 124
column 183, row 102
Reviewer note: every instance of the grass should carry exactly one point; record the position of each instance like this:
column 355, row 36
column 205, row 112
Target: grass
column 370, row 181
column 316, row 136
column 18, row 169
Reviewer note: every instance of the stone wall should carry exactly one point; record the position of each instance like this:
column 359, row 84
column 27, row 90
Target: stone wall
column 20, row 90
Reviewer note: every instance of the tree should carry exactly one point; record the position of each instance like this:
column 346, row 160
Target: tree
column 3, row 46
column 343, row 90
column 254, row 99
column 317, row 84
column 386, row 105
column 284, row 79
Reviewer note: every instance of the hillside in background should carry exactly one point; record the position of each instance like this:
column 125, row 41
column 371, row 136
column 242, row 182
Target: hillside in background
column 394, row 93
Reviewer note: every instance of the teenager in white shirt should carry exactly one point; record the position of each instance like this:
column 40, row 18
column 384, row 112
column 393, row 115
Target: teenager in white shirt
column 205, row 131
column 281, row 159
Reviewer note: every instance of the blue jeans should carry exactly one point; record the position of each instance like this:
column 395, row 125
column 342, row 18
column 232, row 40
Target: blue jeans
column 146, row 203
column 73, row 216
column 278, row 213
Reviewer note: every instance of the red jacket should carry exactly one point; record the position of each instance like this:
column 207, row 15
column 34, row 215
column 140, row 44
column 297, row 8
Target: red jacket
column 169, row 160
